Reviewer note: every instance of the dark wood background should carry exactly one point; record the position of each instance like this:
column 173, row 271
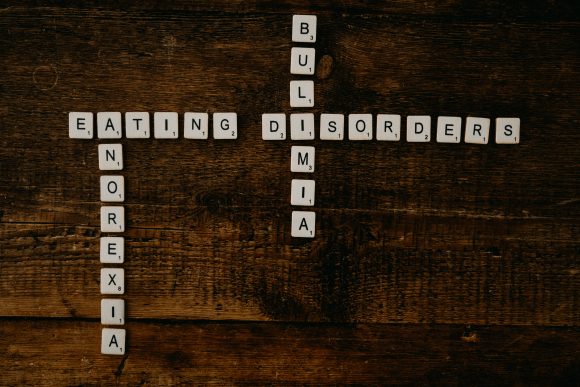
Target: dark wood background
column 432, row 264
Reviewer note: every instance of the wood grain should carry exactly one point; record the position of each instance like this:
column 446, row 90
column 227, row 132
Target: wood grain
column 288, row 354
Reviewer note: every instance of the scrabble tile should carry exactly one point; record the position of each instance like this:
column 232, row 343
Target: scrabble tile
column 302, row 126
column 304, row 28
column 360, row 127
column 112, row 250
column 113, row 341
column 388, row 127
column 303, row 224
column 110, row 157
column 273, row 126
column 301, row 93
column 477, row 130
column 195, row 126
column 449, row 129
column 112, row 280
column 225, row 126
column 302, row 159
column 137, row 125
column 302, row 192
column 507, row 130
column 331, row 126
column 166, row 125
column 418, row 128
column 80, row 125
column 302, row 60
column 112, row 219
column 112, row 188
column 112, row 311
column 109, row 125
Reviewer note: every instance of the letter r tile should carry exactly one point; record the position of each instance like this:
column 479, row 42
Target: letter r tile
column 112, row 219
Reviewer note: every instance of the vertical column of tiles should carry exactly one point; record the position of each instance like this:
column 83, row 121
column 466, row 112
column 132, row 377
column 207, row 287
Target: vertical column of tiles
column 112, row 248
column 302, row 62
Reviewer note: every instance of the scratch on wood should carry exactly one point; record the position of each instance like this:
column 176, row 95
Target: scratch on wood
column 121, row 366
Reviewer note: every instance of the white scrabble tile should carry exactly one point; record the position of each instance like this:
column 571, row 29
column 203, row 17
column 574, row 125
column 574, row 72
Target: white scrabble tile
column 507, row 130
column 304, row 28
column 302, row 126
column 112, row 311
column 112, row 219
column 112, row 250
column 360, row 127
column 112, row 188
column 166, row 125
column 112, row 280
column 301, row 93
column 303, row 224
column 110, row 157
column 225, row 126
column 302, row 60
column 449, row 129
column 388, row 127
column 137, row 125
column 109, row 125
column 302, row 159
column 418, row 128
column 113, row 341
column 477, row 130
column 195, row 126
column 80, row 125
column 302, row 192
column 273, row 126
column 331, row 126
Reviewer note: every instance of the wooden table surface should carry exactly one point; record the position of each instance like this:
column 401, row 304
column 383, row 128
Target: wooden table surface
column 444, row 264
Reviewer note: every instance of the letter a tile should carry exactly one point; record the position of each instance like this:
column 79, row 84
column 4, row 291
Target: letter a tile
column 113, row 341
column 303, row 224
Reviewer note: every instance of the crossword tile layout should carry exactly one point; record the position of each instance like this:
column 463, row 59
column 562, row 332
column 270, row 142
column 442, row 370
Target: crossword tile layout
column 332, row 126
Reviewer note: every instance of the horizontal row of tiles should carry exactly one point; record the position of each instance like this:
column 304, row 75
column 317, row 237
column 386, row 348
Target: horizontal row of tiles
column 383, row 127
